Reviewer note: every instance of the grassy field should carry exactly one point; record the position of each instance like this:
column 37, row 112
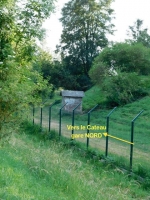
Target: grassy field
column 33, row 167
column 120, row 126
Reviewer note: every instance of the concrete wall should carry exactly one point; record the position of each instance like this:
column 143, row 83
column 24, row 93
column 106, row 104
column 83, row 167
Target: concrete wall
column 72, row 98
column 72, row 102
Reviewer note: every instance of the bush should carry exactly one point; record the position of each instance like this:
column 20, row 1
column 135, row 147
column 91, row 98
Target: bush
column 126, row 58
column 123, row 88
column 122, row 71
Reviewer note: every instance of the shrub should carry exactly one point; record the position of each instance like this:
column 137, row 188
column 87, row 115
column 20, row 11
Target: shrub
column 123, row 88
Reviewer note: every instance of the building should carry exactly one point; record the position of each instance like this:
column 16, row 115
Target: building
column 72, row 99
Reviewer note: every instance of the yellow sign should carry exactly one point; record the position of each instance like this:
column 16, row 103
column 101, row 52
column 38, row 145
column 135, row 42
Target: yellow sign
column 106, row 134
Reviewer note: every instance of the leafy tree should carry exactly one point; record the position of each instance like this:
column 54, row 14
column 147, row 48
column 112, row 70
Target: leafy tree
column 85, row 25
column 139, row 34
column 123, row 88
column 124, row 57
column 20, row 24
column 120, row 70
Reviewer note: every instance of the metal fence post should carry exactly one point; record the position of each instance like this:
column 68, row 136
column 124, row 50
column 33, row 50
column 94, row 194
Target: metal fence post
column 132, row 137
column 49, row 124
column 73, row 118
column 60, row 119
column 107, row 130
column 87, row 144
column 41, row 118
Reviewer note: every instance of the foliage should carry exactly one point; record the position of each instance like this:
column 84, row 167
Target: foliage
column 124, row 57
column 43, row 64
column 99, row 72
column 116, row 65
column 123, row 88
column 53, row 71
column 85, row 24
column 20, row 27
column 139, row 34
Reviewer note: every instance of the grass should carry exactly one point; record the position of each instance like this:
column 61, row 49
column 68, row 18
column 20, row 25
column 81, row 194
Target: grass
column 33, row 167
column 92, row 97
column 120, row 126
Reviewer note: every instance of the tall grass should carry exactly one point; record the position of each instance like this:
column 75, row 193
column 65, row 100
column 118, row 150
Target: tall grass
column 33, row 167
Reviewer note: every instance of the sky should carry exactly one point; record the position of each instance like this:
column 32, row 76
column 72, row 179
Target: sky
column 126, row 13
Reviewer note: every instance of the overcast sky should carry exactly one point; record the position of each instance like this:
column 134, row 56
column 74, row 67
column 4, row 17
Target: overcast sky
column 126, row 13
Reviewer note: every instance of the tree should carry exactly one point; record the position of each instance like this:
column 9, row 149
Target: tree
column 50, row 71
column 123, row 88
column 123, row 57
column 121, row 71
column 85, row 25
column 139, row 34
column 20, row 24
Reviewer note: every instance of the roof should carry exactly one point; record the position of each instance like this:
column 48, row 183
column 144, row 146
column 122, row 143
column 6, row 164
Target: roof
column 71, row 93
